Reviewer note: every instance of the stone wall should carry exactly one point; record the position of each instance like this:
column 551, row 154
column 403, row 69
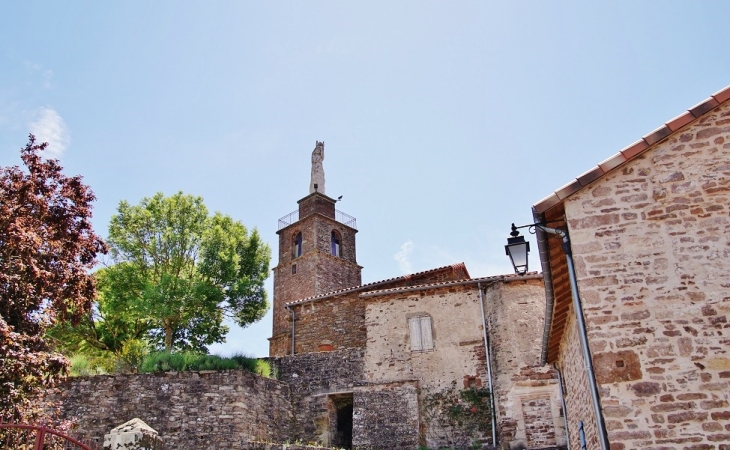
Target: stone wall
column 386, row 416
column 578, row 400
column 456, row 327
column 651, row 243
column 312, row 379
column 330, row 324
column 313, row 273
column 190, row 410
column 515, row 315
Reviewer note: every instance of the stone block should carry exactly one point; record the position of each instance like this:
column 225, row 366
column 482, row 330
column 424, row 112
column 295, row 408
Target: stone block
column 132, row 435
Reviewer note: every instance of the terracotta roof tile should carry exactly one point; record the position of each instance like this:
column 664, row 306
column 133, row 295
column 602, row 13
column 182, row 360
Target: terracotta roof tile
column 568, row 189
column 704, row 107
column 545, row 204
column 504, row 278
column 680, row 121
column 634, row 149
column 588, row 177
column 722, row 95
column 657, row 135
column 612, row 162
column 455, row 267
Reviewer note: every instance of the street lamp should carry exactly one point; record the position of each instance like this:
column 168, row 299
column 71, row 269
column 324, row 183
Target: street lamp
column 517, row 249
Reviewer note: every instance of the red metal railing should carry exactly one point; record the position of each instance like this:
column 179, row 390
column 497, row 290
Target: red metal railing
column 37, row 437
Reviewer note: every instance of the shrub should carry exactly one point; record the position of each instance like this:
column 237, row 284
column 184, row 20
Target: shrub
column 82, row 365
column 190, row 361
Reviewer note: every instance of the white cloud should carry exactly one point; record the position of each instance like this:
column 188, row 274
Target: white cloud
column 50, row 127
column 403, row 257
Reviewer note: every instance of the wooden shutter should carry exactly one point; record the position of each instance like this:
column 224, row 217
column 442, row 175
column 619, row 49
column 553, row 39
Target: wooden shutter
column 426, row 338
column 414, row 325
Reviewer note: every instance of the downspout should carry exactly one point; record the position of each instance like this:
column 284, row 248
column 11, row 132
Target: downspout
column 489, row 367
column 547, row 276
column 583, row 333
column 293, row 320
column 562, row 402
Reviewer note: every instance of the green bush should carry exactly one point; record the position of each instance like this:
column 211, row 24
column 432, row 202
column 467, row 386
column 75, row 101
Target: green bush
column 82, row 365
column 190, row 361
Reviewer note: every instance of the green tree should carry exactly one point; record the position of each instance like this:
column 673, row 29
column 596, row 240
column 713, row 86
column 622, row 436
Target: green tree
column 47, row 247
column 178, row 272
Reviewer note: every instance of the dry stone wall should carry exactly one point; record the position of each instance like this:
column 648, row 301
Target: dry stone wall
column 651, row 244
column 190, row 410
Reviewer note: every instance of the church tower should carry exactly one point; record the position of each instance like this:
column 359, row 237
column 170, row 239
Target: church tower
column 316, row 254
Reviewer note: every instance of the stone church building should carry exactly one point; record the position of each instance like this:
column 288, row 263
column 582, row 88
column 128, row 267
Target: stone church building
column 363, row 360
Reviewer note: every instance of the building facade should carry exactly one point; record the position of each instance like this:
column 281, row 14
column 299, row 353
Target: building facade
column 650, row 237
column 375, row 365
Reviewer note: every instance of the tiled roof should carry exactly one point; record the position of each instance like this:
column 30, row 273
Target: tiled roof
column 633, row 150
column 504, row 278
column 455, row 267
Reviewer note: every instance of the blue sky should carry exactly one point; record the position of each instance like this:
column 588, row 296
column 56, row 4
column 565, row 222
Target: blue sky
column 443, row 122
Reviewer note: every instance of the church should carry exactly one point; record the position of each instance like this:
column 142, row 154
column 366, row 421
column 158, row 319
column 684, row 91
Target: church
column 389, row 364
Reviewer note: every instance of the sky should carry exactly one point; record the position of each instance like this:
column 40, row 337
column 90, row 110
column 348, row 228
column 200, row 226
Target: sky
column 443, row 122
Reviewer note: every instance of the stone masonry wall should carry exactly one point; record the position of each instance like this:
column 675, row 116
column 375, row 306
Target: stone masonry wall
column 316, row 272
column 386, row 416
column 190, row 410
column 312, row 377
column 515, row 313
column 330, row 324
column 651, row 244
column 578, row 396
column 456, row 330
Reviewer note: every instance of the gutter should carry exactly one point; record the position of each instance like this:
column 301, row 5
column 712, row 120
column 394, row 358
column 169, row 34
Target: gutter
column 547, row 276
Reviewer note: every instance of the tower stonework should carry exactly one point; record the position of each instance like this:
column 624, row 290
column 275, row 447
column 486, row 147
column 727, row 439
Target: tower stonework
column 316, row 256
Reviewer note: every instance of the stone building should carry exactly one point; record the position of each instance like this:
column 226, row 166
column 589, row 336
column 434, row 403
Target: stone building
column 649, row 232
column 364, row 361
column 380, row 365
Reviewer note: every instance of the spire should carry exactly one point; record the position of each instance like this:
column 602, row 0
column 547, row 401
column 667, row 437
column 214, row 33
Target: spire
column 317, row 183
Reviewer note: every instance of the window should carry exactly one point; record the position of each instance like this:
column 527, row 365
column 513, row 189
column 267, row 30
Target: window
column 335, row 243
column 296, row 247
column 293, row 269
column 420, row 330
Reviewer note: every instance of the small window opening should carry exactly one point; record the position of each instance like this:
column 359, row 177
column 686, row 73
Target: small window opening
column 335, row 244
column 296, row 249
column 293, row 269
column 421, row 335
column 619, row 363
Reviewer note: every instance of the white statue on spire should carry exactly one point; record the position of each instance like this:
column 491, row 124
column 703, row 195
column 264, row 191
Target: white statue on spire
column 317, row 183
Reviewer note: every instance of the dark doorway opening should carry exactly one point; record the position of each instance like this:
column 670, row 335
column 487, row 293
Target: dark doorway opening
column 342, row 426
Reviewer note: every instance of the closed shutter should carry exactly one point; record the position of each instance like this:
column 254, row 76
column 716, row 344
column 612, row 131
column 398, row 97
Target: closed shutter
column 414, row 325
column 426, row 338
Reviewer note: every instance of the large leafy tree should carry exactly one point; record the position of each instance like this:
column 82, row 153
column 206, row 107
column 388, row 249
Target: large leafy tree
column 47, row 247
column 179, row 271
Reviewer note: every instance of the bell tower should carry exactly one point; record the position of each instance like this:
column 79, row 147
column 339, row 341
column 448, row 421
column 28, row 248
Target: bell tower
column 316, row 254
